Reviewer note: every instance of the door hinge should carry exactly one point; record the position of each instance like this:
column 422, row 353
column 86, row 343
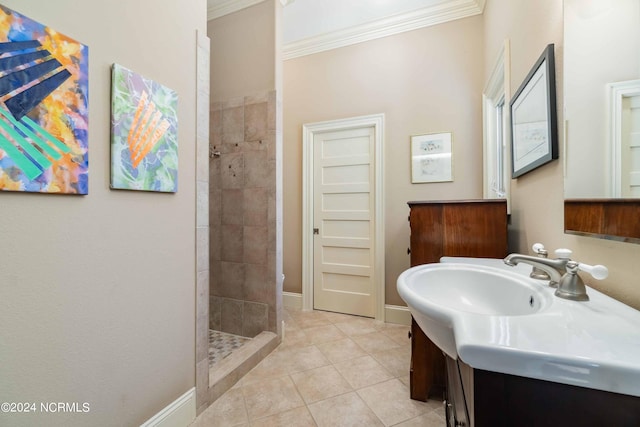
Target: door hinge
column 316, row 231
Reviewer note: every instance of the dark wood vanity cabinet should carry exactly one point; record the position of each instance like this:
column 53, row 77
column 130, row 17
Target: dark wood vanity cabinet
column 472, row 228
column 481, row 398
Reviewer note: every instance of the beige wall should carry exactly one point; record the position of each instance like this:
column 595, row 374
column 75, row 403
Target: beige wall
column 98, row 292
column 243, row 58
column 537, row 198
column 424, row 81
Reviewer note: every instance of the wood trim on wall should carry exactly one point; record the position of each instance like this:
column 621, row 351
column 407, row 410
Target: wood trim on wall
column 181, row 411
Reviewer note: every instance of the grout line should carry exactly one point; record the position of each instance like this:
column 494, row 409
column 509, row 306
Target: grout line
column 244, row 404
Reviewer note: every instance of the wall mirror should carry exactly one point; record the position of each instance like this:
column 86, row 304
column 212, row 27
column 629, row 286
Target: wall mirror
column 602, row 118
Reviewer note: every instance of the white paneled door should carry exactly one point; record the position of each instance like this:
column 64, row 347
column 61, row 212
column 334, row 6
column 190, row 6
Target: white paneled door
column 344, row 221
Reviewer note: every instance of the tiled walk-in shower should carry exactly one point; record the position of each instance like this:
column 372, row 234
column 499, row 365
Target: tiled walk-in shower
column 245, row 266
column 242, row 215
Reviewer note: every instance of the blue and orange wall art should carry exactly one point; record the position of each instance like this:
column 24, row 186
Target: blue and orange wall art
column 44, row 108
column 144, row 133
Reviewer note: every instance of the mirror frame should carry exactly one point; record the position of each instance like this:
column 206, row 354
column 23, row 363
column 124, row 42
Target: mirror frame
column 612, row 219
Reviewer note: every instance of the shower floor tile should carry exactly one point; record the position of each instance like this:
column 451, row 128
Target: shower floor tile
column 222, row 344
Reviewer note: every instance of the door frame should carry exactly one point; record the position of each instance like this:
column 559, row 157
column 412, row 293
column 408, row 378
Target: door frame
column 308, row 132
column 617, row 91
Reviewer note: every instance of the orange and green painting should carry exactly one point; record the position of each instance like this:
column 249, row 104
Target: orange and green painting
column 144, row 137
column 44, row 108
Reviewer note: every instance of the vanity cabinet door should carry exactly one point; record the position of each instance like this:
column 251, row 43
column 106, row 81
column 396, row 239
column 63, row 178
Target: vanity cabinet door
column 509, row 400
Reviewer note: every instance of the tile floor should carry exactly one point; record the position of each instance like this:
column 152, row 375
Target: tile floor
column 331, row 370
column 222, row 344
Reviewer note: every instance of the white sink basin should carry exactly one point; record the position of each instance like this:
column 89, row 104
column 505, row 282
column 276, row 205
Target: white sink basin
column 436, row 293
column 474, row 289
column 495, row 318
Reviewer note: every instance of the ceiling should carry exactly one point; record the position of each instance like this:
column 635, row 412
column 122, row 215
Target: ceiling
column 312, row 26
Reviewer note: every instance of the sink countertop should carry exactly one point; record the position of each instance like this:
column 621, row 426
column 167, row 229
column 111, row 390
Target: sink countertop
column 594, row 344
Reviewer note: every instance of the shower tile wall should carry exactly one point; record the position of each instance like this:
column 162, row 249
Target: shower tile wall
column 242, row 188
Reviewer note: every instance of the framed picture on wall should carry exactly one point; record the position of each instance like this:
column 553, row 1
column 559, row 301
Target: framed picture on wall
column 534, row 129
column 44, row 113
column 144, row 133
column 431, row 158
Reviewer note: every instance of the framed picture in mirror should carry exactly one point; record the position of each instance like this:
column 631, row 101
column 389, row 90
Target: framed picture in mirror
column 534, row 127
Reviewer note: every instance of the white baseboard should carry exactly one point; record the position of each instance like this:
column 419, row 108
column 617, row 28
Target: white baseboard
column 397, row 314
column 292, row 300
column 179, row 413
column 392, row 313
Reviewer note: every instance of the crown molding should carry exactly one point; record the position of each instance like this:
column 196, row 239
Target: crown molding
column 225, row 7
column 396, row 24
column 220, row 8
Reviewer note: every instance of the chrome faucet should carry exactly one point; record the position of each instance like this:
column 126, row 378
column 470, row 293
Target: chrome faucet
column 563, row 273
column 555, row 268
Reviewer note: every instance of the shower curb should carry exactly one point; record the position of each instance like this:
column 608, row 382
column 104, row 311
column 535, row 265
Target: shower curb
column 226, row 373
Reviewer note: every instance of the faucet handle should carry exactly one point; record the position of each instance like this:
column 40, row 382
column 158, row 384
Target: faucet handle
column 537, row 247
column 598, row 272
column 564, row 253
column 537, row 273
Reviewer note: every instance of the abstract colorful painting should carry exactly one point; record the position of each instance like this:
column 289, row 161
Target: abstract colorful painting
column 44, row 108
column 144, row 133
